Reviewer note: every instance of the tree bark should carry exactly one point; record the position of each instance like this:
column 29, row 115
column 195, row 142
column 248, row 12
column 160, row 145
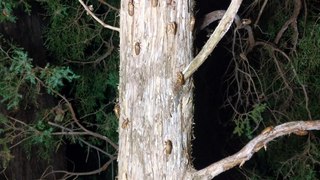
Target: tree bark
column 156, row 111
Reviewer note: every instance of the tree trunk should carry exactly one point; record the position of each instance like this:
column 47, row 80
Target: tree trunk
column 156, row 111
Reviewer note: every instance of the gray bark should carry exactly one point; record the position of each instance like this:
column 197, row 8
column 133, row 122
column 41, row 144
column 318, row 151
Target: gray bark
column 156, row 112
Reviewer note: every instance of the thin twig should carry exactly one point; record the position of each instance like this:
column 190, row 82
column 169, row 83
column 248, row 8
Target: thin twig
column 109, row 5
column 260, row 13
column 97, row 19
column 75, row 119
column 70, row 174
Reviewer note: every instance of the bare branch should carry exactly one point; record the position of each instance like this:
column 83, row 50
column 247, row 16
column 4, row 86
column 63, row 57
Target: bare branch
column 269, row 134
column 217, row 35
column 75, row 119
column 97, row 19
column 70, row 132
column 70, row 174
column 109, row 5
column 260, row 12
column 293, row 22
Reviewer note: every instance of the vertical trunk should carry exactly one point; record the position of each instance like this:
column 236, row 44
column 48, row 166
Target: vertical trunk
column 156, row 113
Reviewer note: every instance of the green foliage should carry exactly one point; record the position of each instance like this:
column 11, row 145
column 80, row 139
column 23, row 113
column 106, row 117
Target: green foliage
column 16, row 70
column 81, row 35
column 53, row 77
column 5, row 154
column 21, row 65
column 91, row 89
column 41, row 138
column 284, row 85
column 72, row 44
column 19, row 72
column 244, row 122
column 109, row 125
column 82, row 56
column 7, row 7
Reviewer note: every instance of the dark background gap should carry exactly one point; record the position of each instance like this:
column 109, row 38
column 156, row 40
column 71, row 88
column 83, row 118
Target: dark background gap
column 213, row 140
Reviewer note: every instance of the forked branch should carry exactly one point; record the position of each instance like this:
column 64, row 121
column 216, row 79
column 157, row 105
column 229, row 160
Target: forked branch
column 269, row 134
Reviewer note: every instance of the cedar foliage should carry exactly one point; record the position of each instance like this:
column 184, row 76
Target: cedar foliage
column 83, row 67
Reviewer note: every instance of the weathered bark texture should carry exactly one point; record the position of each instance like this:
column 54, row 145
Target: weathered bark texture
column 155, row 45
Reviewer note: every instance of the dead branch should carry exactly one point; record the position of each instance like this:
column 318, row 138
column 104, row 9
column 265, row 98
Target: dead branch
column 239, row 158
column 293, row 22
column 76, row 120
column 260, row 13
column 69, row 132
column 68, row 174
column 97, row 19
column 217, row 35
column 294, row 72
column 109, row 5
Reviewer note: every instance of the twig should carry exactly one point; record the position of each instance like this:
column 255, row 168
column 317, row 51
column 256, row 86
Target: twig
column 294, row 72
column 70, row 174
column 260, row 13
column 293, row 22
column 70, row 132
column 97, row 19
column 109, row 5
column 75, row 119
column 98, row 60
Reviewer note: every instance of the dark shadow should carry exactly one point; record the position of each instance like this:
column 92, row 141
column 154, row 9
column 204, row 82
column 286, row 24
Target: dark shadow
column 213, row 134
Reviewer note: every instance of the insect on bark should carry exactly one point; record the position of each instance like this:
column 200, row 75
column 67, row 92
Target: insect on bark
column 125, row 123
column 168, row 148
column 300, row 132
column 267, row 130
column 137, row 48
column 154, row 3
column 130, row 8
column 181, row 79
column 172, row 28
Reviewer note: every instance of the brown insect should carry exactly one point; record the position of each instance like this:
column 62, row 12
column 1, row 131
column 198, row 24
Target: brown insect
column 137, row 48
column 300, row 132
column 116, row 110
column 181, row 79
column 172, row 28
column 168, row 148
column 131, row 8
column 125, row 123
column 154, row 3
column 267, row 130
